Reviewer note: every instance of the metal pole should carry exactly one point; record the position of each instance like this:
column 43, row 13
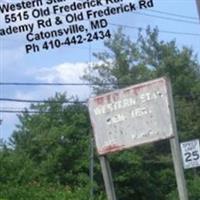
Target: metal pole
column 176, row 153
column 180, row 178
column 107, row 176
column 198, row 7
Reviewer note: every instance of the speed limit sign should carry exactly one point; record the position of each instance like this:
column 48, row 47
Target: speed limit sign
column 191, row 154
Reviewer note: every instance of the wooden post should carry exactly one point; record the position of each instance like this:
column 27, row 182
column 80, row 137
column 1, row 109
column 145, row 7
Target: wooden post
column 107, row 176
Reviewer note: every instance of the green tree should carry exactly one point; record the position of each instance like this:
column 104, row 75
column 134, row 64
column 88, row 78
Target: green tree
column 147, row 172
column 49, row 158
column 57, row 140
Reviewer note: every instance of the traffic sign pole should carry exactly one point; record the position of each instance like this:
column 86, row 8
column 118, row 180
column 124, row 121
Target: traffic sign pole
column 107, row 176
column 180, row 178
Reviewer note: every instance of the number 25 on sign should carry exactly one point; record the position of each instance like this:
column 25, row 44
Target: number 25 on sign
column 191, row 153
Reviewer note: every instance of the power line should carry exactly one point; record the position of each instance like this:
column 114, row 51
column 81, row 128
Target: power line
column 56, row 84
column 39, row 101
column 82, row 102
column 166, row 13
column 44, row 84
column 63, row 84
column 23, row 111
column 29, row 111
column 162, row 31
column 76, row 101
column 60, row 84
column 50, row 112
column 172, row 14
column 167, row 18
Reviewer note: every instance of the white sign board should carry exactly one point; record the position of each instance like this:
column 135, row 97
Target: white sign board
column 132, row 116
column 191, row 154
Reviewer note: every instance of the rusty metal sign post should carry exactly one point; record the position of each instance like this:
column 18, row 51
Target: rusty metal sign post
column 133, row 116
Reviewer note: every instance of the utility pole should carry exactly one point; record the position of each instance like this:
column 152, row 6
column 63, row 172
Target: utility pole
column 198, row 7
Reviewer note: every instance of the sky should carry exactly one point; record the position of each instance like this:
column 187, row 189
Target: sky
column 67, row 64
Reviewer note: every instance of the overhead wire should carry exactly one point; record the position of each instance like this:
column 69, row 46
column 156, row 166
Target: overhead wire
column 45, row 84
column 167, row 18
column 40, row 101
column 60, row 84
column 162, row 31
column 190, row 96
column 23, row 111
column 172, row 14
column 34, row 111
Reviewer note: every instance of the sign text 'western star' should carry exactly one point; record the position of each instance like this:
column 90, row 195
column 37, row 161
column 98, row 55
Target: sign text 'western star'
column 132, row 116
